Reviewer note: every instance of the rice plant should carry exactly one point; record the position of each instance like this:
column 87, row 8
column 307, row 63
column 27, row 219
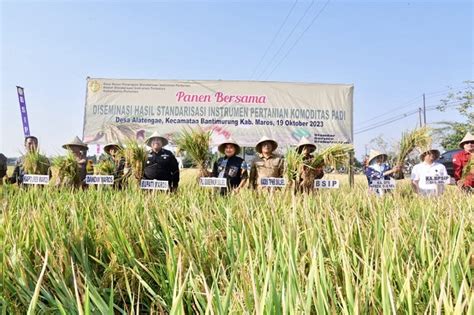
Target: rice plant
column 135, row 156
column 418, row 138
column 35, row 163
column 195, row 142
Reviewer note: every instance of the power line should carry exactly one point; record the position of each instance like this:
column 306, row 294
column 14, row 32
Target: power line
column 286, row 39
column 299, row 38
column 274, row 38
column 409, row 103
column 399, row 117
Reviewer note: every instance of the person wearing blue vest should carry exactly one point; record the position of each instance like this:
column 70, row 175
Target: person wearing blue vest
column 378, row 169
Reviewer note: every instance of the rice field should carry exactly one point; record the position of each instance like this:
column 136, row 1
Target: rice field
column 101, row 251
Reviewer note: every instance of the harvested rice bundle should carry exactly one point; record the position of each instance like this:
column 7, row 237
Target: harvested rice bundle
column 65, row 171
column 35, row 163
column 418, row 138
column 135, row 156
column 196, row 144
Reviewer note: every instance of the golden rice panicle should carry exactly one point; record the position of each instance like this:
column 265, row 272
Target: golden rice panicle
column 35, row 163
column 195, row 143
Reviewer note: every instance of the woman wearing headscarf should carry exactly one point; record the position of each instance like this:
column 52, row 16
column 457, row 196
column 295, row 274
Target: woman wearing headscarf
column 230, row 166
column 378, row 169
column 306, row 174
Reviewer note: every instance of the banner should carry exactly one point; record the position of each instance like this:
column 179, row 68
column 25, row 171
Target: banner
column 119, row 109
column 23, row 112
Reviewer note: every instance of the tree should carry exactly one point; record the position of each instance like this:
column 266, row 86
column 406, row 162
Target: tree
column 451, row 132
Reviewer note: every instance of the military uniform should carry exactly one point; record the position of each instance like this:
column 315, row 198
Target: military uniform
column 271, row 166
column 162, row 165
column 233, row 168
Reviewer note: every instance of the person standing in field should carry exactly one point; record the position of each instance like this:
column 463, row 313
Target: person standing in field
column 230, row 166
column 378, row 169
column 79, row 150
column 31, row 145
column 161, row 164
column 428, row 168
column 307, row 174
column 113, row 151
column 463, row 164
column 3, row 167
column 266, row 163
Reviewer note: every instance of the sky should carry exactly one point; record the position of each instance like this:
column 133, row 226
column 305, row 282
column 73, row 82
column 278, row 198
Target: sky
column 392, row 51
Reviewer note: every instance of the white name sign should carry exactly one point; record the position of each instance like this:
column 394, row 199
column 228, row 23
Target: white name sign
column 383, row 184
column 437, row 180
column 212, row 182
column 272, row 182
column 35, row 179
column 99, row 179
column 154, row 184
column 323, row 183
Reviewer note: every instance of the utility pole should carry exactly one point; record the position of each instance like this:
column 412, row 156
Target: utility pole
column 424, row 109
column 419, row 114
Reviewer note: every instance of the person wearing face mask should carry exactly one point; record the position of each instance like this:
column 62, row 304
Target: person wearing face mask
column 378, row 169
column 266, row 163
column 161, row 164
column 79, row 150
column 461, row 162
column 230, row 166
column 428, row 167
column 306, row 174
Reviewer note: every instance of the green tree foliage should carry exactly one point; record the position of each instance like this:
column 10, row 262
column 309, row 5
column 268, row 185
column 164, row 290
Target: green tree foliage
column 451, row 132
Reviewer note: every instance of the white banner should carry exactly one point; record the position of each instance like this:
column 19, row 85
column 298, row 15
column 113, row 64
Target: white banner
column 245, row 110
column 30, row 179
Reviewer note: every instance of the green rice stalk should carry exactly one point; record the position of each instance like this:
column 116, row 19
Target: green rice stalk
column 65, row 170
column 293, row 161
column 105, row 167
column 35, row 163
column 195, row 142
column 418, row 138
column 135, row 158
column 468, row 168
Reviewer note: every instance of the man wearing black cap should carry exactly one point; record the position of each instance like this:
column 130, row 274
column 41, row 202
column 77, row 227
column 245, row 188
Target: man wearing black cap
column 31, row 145
column 161, row 164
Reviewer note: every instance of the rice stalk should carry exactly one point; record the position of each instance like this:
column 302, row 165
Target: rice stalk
column 418, row 138
column 35, row 163
column 195, row 142
column 135, row 158
column 65, row 170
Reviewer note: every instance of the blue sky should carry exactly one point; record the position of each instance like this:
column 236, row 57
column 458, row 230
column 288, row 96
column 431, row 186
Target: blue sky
column 392, row 51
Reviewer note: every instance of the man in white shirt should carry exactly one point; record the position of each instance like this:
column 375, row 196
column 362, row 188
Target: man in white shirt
column 431, row 169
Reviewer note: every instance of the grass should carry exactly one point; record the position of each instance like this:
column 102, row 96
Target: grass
column 336, row 251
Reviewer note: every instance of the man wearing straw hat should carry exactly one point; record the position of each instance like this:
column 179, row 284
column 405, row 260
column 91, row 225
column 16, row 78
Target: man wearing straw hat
column 230, row 166
column 428, row 167
column 463, row 165
column 79, row 150
column 113, row 150
column 266, row 163
column 161, row 164
column 378, row 169
column 31, row 145
column 307, row 175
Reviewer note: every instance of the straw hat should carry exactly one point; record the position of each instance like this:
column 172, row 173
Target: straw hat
column 75, row 142
column 425, row 152
column 111, row 145
column 304, row 142
column 164, row 141
column 374, row 153
column 467, row 138
column 258, row 147
column 221, row 147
